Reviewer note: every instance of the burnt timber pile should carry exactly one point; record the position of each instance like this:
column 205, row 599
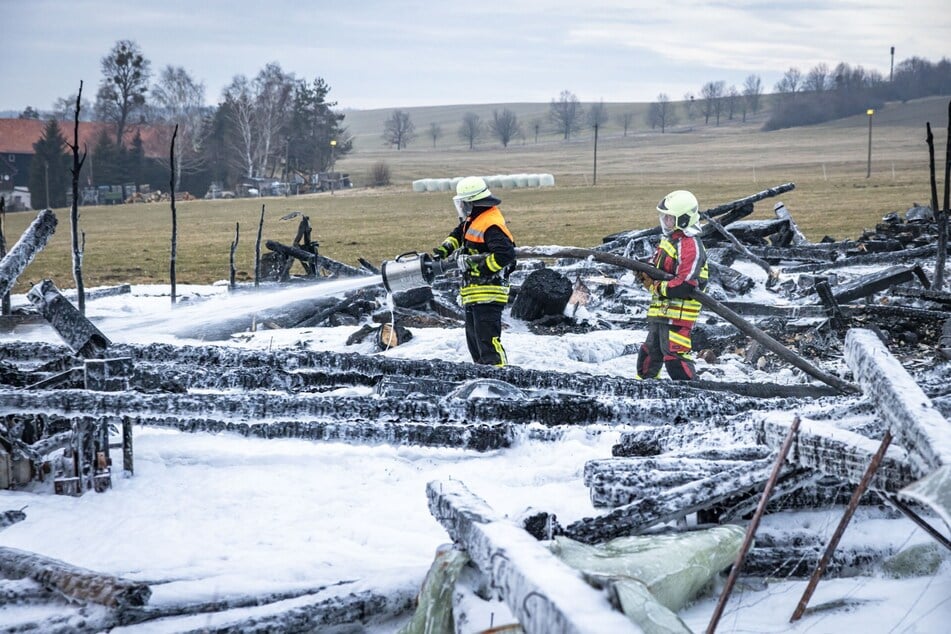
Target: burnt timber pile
column 881, row 335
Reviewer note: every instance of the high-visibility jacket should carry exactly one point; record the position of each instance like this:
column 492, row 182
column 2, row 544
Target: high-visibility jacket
column 484, row 233
column 685, row 258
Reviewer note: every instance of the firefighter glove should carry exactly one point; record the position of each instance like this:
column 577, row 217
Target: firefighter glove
column 647, row 281
column 468, row 264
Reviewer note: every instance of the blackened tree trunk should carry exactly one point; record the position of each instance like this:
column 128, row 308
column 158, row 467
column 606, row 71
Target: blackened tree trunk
column 5, row 301
column 234, row 245
column 257, row 250
column 171, row 189
column 74, row 211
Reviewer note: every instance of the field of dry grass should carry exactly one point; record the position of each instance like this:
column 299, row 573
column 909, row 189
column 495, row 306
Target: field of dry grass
column 827, row 163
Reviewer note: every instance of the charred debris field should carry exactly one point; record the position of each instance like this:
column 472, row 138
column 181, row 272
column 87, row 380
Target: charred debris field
column 824, row 388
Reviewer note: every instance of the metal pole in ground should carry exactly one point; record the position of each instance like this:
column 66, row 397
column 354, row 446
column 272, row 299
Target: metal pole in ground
column 840, row 529
column 754, row 524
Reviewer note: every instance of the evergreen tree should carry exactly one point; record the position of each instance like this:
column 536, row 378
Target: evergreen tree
column 106, row 161
column 49, row 170
column 311, row 127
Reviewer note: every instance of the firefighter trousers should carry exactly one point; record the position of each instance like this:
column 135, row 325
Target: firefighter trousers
column 667, row 345
column 484, row 333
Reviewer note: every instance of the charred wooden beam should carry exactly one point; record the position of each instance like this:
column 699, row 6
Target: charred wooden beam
column 795, row 554
column 341, row 269
column 568, row 409
column 671, row 504
column 739, row 247
column 805, row 252
column 831, row 304
column 655, row 439
column 837, row 452
column 614, row 483
column 730, row 279
column 862, row 260
column 207, row 360
column 356, row 608
column 868, row 285
column 544, row 594
column 69, row 323
column 75, row 582
column 910, row 414
column 30, row 243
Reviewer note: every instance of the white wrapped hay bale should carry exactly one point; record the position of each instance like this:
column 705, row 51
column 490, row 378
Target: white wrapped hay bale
column 532, row 180
column 546, row 180
column 521, row 180
column 419, row 185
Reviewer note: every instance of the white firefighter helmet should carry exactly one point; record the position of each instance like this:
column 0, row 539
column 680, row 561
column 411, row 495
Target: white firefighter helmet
column 471, row 188
column 679, row 210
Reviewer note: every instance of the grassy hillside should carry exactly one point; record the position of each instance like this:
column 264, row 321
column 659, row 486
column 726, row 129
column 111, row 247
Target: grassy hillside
column 130, row 243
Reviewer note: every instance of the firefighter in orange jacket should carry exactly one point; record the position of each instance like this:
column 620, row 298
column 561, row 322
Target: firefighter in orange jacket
column 485, row 251
column 672, row 313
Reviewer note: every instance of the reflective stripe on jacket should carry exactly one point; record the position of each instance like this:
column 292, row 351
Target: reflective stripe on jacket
column 685, row 258
column 492, row 285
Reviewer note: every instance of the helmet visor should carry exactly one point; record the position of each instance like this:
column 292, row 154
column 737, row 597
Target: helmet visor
column 667, row 223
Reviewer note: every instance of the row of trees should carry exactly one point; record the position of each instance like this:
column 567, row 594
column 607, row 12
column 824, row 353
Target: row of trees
column 272, row 125
column 823, row 94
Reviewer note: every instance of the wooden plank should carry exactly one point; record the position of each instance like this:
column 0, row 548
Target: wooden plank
column 544, row 594
column 73, row 581
column 917, row 425
column 837, row 452
column 30, row 243
column 634, row 518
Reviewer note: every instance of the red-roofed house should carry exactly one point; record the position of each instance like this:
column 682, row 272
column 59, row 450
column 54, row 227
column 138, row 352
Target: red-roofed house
column 17, row 137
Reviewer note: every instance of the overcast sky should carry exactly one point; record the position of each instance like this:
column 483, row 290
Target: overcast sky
column 400, row 53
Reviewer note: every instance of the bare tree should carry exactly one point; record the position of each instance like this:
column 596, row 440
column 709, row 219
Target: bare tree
column 78, row 238
column 752, row 90
column 504, row 126
column 712, row 95
column 789, row 84
column 690, row 105
column 179, row 100
column 566, row 113
column 258, row 110
column 817, row 80
column 471, row 128
column 662, row 113
column 435, row 132
column 273, row 91
column 625, row 119
column 597, row 115
column 62, row 108
column 125, row 79
column 732, row 101
column 399, row 130
column 240, row 112
column 536, row 128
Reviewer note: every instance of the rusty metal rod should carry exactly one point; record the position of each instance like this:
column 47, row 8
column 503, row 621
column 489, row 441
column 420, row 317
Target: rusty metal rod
column 753, row 525
column 843, row 523
column 917, row 519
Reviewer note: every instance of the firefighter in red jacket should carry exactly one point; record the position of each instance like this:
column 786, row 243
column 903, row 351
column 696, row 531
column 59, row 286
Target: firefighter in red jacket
column 672, row 313
column 485, row 251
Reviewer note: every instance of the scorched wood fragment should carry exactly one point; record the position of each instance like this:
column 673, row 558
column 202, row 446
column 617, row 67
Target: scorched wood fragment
column 30, row 243
column 910, row 415
column 671, row 504
column 837, row 452
column 544, row 594
column 75, row 582
column 616, row 482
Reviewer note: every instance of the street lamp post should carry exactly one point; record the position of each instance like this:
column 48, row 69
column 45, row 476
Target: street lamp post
column 868, row 172
column 333, row 177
